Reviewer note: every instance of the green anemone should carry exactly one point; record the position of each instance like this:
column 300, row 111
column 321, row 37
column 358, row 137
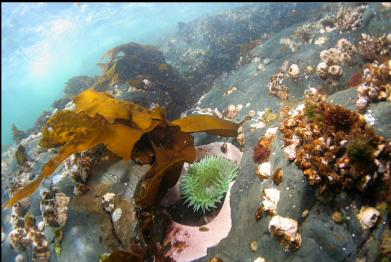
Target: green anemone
column 207, row 181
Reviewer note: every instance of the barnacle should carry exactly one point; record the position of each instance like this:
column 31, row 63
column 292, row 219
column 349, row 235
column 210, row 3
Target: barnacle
column 124, row 127
column 207, row 181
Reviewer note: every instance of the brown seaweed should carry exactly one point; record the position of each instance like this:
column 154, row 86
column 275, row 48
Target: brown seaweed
column 101, row 119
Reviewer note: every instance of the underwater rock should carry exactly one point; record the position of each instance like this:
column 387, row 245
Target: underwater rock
column 78, row 84
column 17, row 134
column 61, row 103
column 139, row 73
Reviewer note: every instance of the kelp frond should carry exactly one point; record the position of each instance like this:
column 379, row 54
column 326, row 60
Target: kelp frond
column 129, row 131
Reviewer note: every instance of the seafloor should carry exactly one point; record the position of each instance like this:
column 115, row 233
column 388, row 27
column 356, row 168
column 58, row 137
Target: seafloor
column 313, row 183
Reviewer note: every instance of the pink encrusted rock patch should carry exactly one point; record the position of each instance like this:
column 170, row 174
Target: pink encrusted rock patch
column 191, row 242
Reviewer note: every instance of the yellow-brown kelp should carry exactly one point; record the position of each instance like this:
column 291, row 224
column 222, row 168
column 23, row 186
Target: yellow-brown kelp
column 129, row 131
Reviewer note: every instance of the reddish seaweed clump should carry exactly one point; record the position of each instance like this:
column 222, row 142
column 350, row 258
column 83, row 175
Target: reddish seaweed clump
column 262, row 148
column 339, row 118
column 336, row 149
column 261, row 153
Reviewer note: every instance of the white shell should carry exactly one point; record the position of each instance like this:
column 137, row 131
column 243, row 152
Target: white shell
column 19, row 258
column 294, row 71
column 368, row 217
column 270, row 200
column 264, row 170
column 41, row 226
column 116, row 215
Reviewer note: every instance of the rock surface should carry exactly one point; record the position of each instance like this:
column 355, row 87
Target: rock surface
column 86, row 234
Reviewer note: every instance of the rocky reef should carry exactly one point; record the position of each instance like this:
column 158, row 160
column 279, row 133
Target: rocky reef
column 302, row 103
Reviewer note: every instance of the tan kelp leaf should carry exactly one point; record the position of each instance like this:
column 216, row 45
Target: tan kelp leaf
column 209, row 124
column 93, row 103
column 77, row 132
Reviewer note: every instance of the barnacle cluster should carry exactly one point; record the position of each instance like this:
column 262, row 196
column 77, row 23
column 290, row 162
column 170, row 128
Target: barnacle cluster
column 375, row 84
column 54, row 207
column 375, row 48
column 276, row 86
column 232, row 111
column 333, row 57
column 80, row 165
column 349, row 18
column 335, row 147
column 306, row 32
column 25, row 233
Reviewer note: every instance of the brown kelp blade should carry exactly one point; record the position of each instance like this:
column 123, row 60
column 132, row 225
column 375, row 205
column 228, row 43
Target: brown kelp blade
column 168, row 165
column 93, row 102
column 25, row 192
column 206, row 123
column 81, row 133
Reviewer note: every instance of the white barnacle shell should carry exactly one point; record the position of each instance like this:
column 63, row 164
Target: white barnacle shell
column 294, row 71
column 264, row 170
column 321, row 69
column 270, row 200
column 368, row 217
column 335, row 70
